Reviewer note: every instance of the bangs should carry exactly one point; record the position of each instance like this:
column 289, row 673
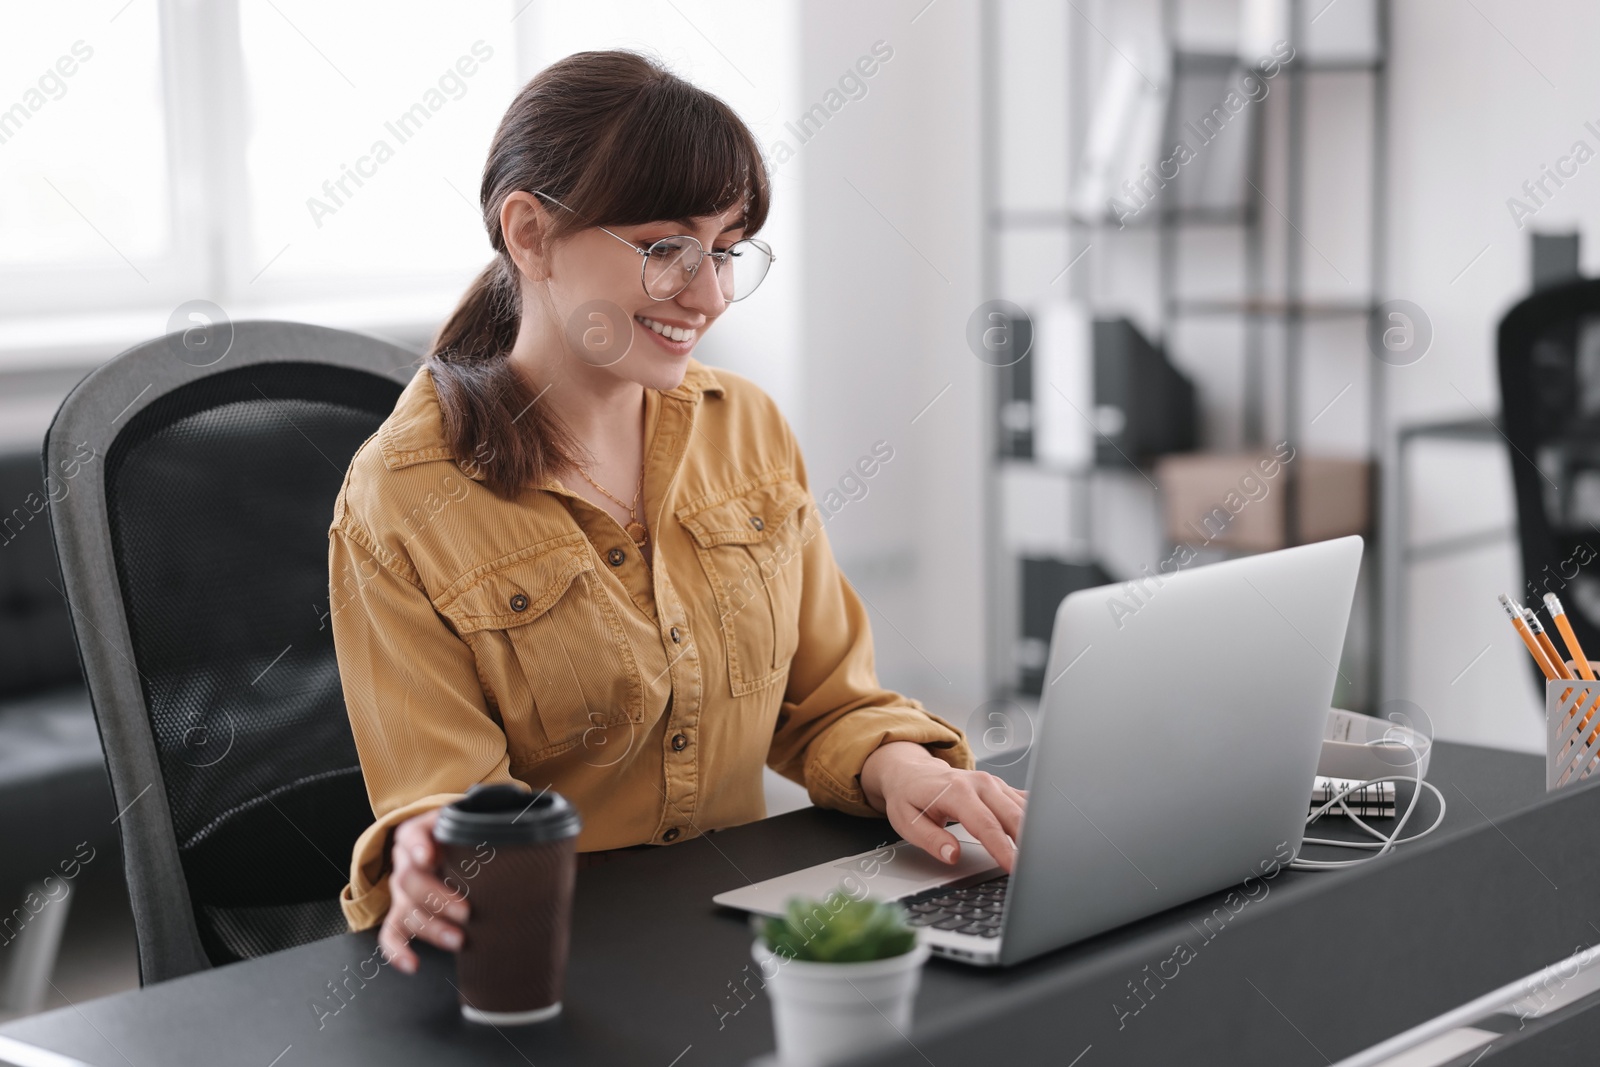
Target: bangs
column 674, row 152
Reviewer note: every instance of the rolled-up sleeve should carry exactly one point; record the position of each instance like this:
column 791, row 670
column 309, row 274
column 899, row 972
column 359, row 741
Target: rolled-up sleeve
column 834, row 712
column 422, row 727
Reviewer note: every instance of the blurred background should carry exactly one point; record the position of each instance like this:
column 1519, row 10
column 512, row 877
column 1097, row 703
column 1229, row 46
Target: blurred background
column 1122, row 287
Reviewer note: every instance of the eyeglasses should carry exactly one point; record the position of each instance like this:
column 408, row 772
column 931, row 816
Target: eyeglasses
column 670, row 264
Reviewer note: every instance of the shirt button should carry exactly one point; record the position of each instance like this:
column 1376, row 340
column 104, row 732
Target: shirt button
column 676, row 636
column 615, row 557
column 519, row 603
column 679, row 742
column 670, row 835
column 757, row 522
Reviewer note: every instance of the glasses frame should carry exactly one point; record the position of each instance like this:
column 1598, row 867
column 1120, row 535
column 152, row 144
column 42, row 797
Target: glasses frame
column 719, row 259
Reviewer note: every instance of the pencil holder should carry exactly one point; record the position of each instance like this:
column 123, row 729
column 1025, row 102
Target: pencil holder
column 1572, row 731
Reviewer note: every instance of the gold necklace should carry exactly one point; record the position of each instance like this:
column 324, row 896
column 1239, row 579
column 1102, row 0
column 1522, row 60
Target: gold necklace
column 634, row 529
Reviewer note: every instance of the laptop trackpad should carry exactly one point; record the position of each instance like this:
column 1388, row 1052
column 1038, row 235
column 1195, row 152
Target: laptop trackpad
column 889, row 873
column 902, row 868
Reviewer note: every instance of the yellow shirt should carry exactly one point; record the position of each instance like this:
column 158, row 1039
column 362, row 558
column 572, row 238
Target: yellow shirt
column 489, row 640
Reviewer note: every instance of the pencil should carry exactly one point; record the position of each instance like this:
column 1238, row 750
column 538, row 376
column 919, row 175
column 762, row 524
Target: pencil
column 1558, row 615
column 1527, row 638
column 1545, row 644
column 1536, row 628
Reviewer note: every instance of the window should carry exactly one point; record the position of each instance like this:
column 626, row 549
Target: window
column 367, row 136
column 251, row 152
column 83, row 151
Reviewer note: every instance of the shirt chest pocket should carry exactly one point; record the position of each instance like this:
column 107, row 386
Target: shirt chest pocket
column 749, row 541
column 550, row 649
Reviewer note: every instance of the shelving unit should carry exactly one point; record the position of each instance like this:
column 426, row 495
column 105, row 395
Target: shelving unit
column 1271, row 305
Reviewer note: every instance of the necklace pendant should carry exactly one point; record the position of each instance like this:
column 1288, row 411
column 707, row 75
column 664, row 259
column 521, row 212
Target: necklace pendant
column 637, row 532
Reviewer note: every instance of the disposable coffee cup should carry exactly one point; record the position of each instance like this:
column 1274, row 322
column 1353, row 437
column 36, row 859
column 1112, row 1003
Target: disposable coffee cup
column 513, row 856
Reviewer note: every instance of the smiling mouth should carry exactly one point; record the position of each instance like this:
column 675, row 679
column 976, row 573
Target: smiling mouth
column 671, row 333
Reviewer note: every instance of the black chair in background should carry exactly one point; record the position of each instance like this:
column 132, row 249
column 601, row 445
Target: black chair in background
column 193, row 547
column 1549, row 353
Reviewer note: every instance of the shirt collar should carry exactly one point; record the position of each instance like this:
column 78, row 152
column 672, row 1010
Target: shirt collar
column 414, row 431
column 697, row 381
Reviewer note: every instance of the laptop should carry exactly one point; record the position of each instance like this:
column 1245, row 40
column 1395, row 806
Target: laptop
column 1178, row 735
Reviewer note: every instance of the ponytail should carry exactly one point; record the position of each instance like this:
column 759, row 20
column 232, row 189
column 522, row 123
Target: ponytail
column 491, row 422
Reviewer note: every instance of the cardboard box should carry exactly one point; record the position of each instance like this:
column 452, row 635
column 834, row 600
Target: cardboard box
column 1236, row 500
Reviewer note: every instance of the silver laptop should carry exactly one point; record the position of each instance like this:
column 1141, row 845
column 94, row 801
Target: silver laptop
column 1178, row 736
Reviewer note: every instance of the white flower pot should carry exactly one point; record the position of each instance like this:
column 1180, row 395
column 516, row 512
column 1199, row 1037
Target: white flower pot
column 824, row 1012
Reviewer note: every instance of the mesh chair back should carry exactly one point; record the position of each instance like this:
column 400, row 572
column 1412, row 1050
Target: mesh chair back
column 196, row 567
column 1549, row 351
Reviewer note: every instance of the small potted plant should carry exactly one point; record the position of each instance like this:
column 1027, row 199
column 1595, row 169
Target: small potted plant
column 843, row 974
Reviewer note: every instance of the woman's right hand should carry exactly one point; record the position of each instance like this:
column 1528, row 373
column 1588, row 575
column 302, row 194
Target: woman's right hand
column 420, row 904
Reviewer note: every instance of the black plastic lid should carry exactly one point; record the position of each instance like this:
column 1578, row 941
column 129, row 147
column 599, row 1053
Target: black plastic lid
column 504, row 814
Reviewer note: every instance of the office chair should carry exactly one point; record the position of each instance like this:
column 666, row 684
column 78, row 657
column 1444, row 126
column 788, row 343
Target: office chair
column 1549, row 353
column 196, row 481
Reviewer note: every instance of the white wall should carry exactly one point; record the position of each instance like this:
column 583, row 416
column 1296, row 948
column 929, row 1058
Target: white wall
column 891, row 274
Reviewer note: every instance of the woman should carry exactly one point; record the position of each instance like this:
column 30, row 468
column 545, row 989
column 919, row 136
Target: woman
column 575, row 558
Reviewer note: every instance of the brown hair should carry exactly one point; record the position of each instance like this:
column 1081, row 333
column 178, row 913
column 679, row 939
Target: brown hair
column 619, row 140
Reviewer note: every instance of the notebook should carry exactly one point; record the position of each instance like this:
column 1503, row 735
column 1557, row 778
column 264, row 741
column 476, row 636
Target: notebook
column 1369, row 802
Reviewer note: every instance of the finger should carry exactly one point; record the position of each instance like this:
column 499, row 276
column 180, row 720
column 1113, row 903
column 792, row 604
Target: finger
column 1007, row 810
column 1005, row 801
column 436, row 896
column 1008, row 787
column 925, row 831
column 424, row 925
column 413, row 839
column 394, row 943
column 974, row 813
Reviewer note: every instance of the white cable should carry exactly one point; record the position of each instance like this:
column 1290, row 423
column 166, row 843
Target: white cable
column 1384, row 843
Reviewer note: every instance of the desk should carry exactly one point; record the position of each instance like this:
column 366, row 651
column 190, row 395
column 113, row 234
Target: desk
column 655, row 966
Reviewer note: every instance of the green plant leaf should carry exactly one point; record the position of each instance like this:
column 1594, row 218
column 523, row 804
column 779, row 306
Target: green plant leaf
column 838, row 929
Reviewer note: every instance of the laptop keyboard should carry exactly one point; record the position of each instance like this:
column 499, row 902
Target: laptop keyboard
column 973, row 909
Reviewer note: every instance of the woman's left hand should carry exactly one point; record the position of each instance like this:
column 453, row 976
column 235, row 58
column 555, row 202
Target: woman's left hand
column 920, row 793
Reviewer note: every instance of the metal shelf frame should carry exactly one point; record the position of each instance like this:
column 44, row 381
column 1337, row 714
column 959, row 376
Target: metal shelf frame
column 1395, row 540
